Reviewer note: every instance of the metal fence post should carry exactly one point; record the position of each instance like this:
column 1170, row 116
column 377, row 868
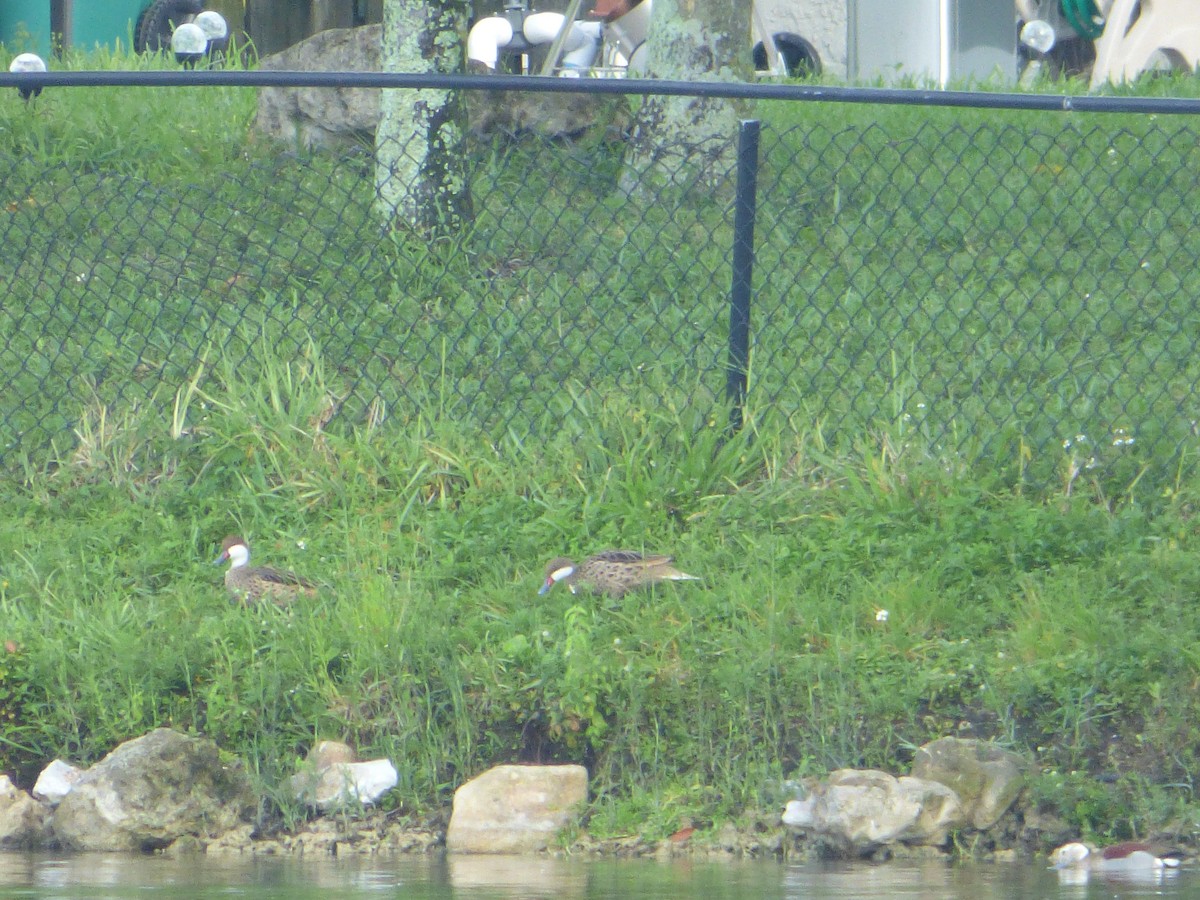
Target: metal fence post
column 743, row 270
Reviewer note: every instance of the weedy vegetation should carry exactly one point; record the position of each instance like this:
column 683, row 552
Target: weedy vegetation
column 910, row 559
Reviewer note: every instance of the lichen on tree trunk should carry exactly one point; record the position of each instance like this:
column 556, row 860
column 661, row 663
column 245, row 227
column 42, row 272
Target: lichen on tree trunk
column 680, row 140
column 420, row 144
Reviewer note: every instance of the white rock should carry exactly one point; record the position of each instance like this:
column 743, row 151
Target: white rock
column 56, row 781
column 515, row 809
column 861, row 809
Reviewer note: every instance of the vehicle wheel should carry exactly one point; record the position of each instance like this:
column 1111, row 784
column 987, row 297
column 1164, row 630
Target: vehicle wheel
column 799, row 56
column 158, row 21
column 637, row 61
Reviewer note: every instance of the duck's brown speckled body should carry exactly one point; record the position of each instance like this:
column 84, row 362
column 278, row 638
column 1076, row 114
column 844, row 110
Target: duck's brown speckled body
column 249, row 583
column 613, row 572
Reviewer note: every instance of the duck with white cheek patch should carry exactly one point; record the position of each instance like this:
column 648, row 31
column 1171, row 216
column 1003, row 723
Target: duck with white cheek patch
column 613, row 573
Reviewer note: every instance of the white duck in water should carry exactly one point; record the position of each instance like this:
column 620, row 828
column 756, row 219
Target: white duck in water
column 1126, row 857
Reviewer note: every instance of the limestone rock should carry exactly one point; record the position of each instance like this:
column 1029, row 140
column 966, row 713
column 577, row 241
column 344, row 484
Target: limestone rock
column 330, row 778
column 22, row 819
column 323, row 117
column 151, row 791
column 515, row 809
column 56, row 781
column 858, row 810
column 329, row 753
column 337, row 118
column 987, row 778
column 547, row 114
column 940, row 811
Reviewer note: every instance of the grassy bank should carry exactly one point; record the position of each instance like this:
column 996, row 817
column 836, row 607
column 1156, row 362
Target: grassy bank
column 257, row 381
column 1055, row 625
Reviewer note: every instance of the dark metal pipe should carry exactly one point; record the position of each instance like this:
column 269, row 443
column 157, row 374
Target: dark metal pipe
column 635, row 86
column 744, row 208
column 62, row 24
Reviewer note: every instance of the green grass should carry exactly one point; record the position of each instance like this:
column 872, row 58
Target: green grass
column 1049, row 624
column 207, row 335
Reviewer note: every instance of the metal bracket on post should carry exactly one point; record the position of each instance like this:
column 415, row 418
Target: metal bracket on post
column 744, row 209
column 556, row 47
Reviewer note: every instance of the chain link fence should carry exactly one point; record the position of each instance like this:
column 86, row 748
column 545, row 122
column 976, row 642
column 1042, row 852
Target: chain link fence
column 1010, row 288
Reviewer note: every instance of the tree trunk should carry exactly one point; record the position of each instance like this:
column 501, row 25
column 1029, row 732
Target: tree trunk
column 683, row 139
column 420, row 145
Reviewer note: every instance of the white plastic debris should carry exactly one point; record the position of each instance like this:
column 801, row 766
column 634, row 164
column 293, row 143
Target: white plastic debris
column 346, row 783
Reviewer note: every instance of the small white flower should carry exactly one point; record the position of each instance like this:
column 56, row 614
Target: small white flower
column 545, row 635
column 616, row 642
column 302, row 545
column 881, row 615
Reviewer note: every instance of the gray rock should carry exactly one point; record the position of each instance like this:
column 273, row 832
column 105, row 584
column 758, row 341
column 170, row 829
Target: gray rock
column 515, row 809
column 323, row 117
column 987, row 778
column 550, row 115
column 22, row 819
column 859, row 810
column 337, row 118
column 151, row 791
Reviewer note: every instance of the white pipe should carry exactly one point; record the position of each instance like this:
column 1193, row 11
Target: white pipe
column 489, row 36
column 485, row 39
column 944, row 36
column 582, row 40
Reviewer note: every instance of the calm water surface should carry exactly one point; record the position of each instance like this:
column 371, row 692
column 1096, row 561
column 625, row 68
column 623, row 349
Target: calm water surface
column 123, row 877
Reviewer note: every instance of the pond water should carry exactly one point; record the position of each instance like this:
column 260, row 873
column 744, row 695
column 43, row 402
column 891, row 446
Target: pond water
column 124, row 876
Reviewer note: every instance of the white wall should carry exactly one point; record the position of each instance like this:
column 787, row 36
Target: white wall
column 821, row 22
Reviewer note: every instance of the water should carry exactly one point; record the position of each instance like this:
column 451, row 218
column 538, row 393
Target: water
column 123, row 877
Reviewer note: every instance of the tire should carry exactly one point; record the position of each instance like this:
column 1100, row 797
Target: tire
column 158, row 21
column 800, row 58
column 637, row 61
